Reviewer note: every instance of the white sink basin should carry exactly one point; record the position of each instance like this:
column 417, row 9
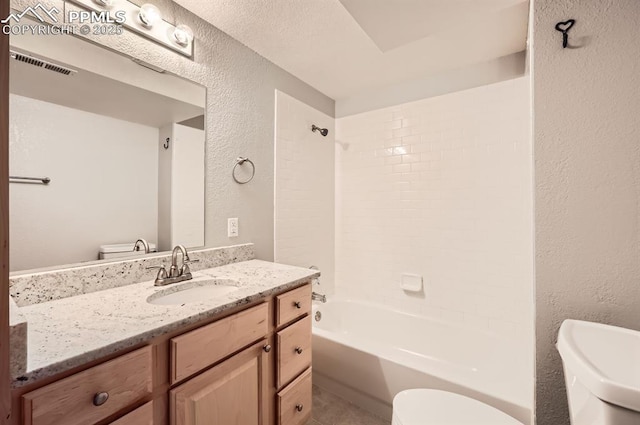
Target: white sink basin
column 193, row 292
column 604, row 359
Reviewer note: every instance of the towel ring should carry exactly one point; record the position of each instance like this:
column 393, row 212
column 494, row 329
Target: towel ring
column 239, row 161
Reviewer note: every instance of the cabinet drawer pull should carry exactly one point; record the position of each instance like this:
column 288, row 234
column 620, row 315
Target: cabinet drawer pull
column 298, row 350
column 100, row 398
column 299, row 407
column 297, row 304
column 266, row 348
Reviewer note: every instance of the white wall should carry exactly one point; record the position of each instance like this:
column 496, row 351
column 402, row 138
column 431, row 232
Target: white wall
column 587, row 167
column 450, row 81
column 181, row 187
column 304, row 192
column 104, row 183
column 239, row 118
column 441, row 187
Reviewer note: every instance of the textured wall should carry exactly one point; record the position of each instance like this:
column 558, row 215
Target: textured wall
column 240, row 119
column 587, row 167
column 305, row 189
column 441, row 188
column 84, row 201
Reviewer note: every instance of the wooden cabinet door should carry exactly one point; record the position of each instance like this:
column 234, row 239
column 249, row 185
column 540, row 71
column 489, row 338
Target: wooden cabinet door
column 235, row 392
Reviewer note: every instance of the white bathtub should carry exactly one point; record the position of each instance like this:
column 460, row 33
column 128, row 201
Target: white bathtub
column 368, row 353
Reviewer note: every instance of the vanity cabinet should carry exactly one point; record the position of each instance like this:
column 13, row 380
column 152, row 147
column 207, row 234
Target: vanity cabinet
column 251, row 366
column 203, row 347
column 294, row 401
column 92, row 395
column 293, row 367
column 141, row 416
column 253, row 387
column 234, row 392
column 294, row 351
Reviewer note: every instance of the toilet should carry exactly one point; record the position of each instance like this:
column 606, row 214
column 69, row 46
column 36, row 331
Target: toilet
column 435, row 407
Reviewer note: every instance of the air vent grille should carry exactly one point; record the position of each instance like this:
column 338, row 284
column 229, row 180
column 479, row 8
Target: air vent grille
column 57, row 68
column 27, row 59
column 42, row 63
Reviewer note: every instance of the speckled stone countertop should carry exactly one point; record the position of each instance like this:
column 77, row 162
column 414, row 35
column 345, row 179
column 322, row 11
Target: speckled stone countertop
column 69, row 332
column 43, row 285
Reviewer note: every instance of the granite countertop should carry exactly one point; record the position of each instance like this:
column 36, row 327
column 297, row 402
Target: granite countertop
column 69, row 332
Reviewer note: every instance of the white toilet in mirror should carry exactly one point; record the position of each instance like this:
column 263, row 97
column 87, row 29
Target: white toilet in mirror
column 602, row 373
column 435, row 407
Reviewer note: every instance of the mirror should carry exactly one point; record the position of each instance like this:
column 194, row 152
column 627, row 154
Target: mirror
column 122, row 145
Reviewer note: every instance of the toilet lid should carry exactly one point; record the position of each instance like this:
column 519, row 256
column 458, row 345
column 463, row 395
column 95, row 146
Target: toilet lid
column 434, row 407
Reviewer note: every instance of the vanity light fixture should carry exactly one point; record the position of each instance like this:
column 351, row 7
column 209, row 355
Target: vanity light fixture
column 149, row 15
column 145, row 20
column 183, row 35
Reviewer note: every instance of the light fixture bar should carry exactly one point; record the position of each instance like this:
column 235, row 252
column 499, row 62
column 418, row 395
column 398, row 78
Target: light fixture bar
column 162, row 32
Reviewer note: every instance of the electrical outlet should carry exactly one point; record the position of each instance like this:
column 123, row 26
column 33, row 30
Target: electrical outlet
column 232, row 227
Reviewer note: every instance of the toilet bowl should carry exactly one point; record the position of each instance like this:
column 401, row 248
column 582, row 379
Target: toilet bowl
column 435, row 407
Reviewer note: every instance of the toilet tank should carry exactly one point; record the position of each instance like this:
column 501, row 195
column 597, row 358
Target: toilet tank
column 122, row 250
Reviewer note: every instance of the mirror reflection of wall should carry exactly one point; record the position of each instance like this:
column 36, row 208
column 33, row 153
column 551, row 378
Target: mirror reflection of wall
column 97, row 123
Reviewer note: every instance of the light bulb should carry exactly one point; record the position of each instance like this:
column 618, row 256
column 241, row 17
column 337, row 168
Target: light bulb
column 149, row 15
column 183, row 35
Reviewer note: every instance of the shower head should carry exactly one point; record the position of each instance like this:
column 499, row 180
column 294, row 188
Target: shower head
column 322, row 131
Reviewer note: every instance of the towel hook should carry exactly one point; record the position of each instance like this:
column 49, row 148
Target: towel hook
column 564, row 28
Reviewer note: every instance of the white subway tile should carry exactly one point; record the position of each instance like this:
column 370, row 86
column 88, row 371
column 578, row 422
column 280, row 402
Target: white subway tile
column 441, row 187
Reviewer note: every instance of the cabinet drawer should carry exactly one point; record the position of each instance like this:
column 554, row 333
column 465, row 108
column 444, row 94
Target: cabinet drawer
column 205, row 346
column 293, row 304
column 143, row 415
column 294, row 402
column 71, row 401
column 294, row 351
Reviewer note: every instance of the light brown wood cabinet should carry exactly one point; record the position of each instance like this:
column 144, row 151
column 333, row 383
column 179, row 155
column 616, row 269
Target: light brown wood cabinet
column 252, row 366
column 93, row 395
column 234, row 392
column 250, row 387
column 141, row 416
column 294, row 402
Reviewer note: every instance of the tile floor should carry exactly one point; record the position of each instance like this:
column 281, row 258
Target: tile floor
column 329, row 409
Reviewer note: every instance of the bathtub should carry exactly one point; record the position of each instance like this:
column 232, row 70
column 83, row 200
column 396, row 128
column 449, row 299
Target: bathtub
column 367, row 353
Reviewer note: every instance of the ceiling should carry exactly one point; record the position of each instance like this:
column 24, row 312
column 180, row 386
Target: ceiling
column 349, row 47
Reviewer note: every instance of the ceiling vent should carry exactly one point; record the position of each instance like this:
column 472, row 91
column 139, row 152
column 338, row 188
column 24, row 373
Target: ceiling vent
column 41, row 63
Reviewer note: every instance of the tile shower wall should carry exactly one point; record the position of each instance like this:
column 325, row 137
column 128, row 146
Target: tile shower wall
column 304, row 192
column 441, row 188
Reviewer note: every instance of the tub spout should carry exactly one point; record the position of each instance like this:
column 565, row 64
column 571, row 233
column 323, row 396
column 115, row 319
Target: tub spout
column 318, row 297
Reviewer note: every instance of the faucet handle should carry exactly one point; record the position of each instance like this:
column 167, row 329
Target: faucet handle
column 162, row 272
column 185, row 270
column 160, row 267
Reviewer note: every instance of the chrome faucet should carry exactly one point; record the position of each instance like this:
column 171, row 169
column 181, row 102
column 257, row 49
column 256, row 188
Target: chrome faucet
column 176, row 273
column 145, row 245
column 318, row 297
